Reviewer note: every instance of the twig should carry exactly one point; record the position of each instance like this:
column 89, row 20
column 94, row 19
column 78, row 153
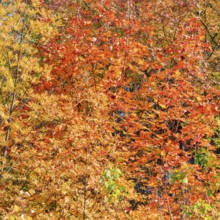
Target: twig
column 210, row 35
column 168, row 203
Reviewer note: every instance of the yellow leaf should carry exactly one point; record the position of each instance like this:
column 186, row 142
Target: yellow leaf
column 116, row 70
column 162, row 105
column 163, row 153
column 16, row 208
column 140, row 62
column 177, row 73
column 135, row 50
column 199, row 98
column 185, row 180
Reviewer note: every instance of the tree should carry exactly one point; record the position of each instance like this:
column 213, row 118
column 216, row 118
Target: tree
column 125, row 118
column 24, row 26
column 155, row 81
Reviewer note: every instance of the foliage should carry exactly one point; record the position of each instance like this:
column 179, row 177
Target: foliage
column 109, row 109
column 111, row 177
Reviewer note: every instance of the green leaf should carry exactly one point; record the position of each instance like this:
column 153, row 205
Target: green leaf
column 209, row 192
column 108, row 174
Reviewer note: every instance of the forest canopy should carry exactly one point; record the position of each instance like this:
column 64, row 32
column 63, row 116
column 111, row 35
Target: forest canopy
column 109, row 109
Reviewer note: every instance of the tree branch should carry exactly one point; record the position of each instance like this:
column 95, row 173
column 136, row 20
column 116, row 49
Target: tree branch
column 210, row 35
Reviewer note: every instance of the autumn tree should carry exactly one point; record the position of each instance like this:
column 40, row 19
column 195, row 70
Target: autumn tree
column 24, row 26
column 123, row 125
column 147, row 63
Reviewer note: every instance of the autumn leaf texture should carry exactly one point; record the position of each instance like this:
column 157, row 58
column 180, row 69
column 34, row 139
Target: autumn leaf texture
column 109, row 109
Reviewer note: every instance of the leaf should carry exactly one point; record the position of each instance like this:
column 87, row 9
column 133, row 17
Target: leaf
column 16, row 208
column 185, row 180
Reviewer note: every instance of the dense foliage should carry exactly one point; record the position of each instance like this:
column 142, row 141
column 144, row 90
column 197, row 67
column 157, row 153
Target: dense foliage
column 109, row 109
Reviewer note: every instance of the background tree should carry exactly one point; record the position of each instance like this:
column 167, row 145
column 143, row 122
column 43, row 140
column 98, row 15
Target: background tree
column 24, row 26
